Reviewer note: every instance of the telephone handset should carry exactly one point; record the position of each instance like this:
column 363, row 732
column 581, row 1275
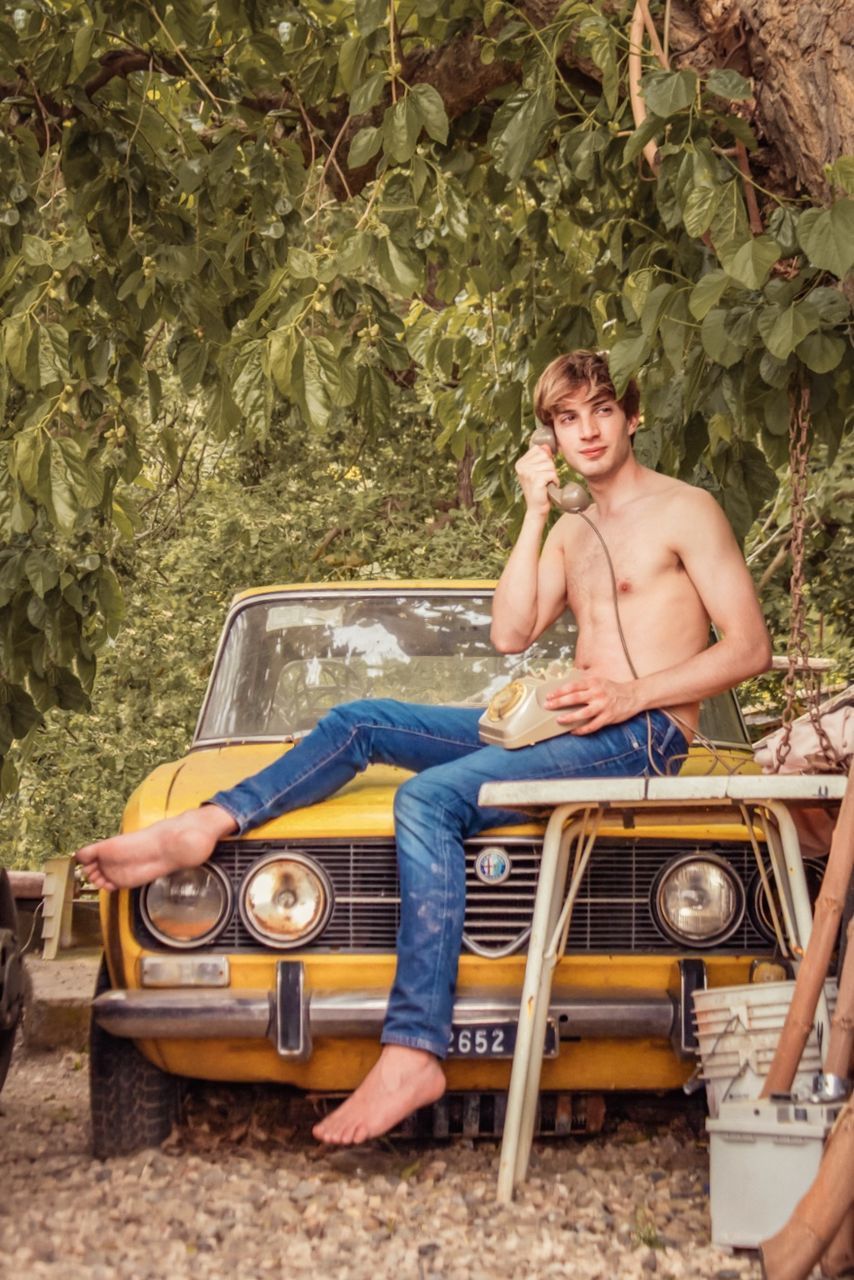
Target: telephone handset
column 572, row 498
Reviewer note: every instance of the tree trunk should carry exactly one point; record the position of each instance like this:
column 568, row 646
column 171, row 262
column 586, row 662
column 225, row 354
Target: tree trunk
column 802, row 56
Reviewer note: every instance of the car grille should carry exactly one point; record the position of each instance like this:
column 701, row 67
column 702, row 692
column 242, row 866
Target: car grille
column 611, row 914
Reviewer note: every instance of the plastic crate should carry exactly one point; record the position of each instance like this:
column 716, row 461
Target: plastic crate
column 737, row 1030
column 763, row 1156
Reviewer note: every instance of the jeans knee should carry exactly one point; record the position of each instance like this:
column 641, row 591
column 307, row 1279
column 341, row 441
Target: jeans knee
column 421, row 803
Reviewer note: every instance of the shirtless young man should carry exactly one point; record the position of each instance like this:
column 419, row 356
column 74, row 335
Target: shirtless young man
column 677, row 566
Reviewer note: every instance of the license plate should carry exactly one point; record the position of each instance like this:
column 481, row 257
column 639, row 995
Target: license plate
column 493, row 1040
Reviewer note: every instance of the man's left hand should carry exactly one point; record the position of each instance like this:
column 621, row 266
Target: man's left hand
column 596, row 702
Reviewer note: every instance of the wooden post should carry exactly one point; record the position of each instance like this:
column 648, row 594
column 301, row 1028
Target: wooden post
column 838, row 1062
column 812, row 973
column 838, row 1260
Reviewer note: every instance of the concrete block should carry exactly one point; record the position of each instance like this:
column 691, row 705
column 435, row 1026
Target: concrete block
column 58, row 1000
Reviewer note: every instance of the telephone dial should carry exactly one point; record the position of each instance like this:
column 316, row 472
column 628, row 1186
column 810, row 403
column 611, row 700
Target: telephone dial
column 517, row 715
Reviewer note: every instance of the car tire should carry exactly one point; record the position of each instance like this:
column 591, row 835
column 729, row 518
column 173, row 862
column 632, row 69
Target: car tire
column 11, row 975
column 133, row 1103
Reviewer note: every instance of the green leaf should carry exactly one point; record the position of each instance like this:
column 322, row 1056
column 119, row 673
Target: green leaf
column 598, row 35
column 522, row 138
column 821, row 352
column 625, row 358
column 28, row 452
column 281, row 345
column 783, row 227
column 11, row 574
column 353, row 252
column 431, row 111
column 708, row 290
column 316, row 395
column 364, row 146
column 84, row 474
column 42, row 569
column 370, row 14
column 401, row 127
column 35, row 252
column 783, row 331
column 223, row 414
column 367, row 94
column 192, row 361
column 400, row 266
column 715, row 334
column 726, row 83
column 699, row 209
column 773, row 371
column 827, row 237
column 720, row 428
column 110, row 599
column 351, row 61
column 251, row 392
column 831, row 304
column 729, row 224
column 656, row 301
column 64, row 506
column 668, row 92
column 841, row 174
column 301, row 264
column 23, row 713
column 750, row 264
column 81, row 51
column 20, row 351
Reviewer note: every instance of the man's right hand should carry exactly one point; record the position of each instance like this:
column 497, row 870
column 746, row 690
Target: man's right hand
column 536, row 471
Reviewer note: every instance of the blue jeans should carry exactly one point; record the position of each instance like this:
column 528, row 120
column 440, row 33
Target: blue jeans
column 434, row 812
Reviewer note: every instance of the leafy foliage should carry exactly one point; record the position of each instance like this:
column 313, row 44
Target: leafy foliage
column 298, row 210
column 294, row 513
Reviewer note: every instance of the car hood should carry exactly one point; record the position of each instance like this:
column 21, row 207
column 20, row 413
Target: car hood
column 362, row 808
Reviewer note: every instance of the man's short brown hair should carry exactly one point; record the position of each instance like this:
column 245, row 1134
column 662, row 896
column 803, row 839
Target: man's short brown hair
column 568, row 374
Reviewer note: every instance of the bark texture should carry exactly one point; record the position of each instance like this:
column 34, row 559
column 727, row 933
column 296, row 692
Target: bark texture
column 802, row 56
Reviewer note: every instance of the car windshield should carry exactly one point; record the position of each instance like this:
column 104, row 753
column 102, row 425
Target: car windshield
column 286, row 660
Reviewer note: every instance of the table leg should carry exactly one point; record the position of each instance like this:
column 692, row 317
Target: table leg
column 561, row 905
column 790, row 866
column 546, row 910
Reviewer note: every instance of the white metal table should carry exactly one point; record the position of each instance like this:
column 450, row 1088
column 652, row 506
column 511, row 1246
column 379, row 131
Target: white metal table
column 578, row 808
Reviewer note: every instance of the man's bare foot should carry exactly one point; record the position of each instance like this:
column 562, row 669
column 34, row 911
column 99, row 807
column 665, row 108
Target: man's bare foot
column 122, row 862
column 401, row 1081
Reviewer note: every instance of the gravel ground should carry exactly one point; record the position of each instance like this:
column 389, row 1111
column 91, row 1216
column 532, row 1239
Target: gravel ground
column 241, row 1191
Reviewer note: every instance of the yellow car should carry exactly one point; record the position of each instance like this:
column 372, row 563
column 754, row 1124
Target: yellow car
column 200, row 982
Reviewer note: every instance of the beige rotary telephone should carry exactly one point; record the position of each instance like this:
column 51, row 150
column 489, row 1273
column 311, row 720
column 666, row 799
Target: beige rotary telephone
column 517, row 715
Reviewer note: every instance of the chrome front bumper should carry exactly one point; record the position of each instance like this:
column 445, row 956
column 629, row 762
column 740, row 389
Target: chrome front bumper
column 291, row 1017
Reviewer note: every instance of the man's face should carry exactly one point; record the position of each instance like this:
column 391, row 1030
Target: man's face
column 593, row 432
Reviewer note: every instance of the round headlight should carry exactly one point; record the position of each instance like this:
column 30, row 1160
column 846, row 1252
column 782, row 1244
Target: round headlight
column 757, row 899
column 286, row 900
column 698, row 901
column 187, row 908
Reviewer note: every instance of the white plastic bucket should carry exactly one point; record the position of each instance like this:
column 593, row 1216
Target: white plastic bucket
column 738, row 1029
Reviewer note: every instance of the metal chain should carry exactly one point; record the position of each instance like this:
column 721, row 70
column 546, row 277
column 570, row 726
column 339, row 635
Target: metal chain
column 799, row 641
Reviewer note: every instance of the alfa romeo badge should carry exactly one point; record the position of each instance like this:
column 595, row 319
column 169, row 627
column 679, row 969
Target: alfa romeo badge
column 492, row 866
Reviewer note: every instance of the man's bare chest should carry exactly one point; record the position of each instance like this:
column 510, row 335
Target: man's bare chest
column 642, row 564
